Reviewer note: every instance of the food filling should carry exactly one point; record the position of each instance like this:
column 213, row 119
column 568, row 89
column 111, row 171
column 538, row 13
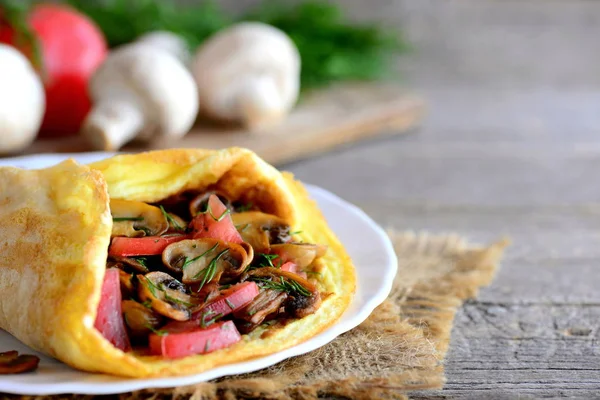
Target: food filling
column 192, row 273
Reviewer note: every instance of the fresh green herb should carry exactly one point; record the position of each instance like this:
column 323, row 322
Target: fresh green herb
column 142, row 261
column 252, row 312
column 171, row 299
column 147, row 304
column 207, row 345
column 242, row 228
column 151, row 286
column 171, row 221
column 210, row 271
column 223, row 287
column 158, row 332
column 267, row 259
column 204, row 323
column 187, row 261
column 230, row 304
column 295, row 233
column 289, row 286
column 120, row 219
column 245, row 207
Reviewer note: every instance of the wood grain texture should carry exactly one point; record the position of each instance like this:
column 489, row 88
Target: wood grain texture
column 324, row 119
column 511, row 145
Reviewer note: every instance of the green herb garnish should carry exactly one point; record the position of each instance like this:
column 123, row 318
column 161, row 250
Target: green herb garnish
column 243, row 227
column 142, row 261
column 188, row 262
column 230, row 304
column 171, row 221
column 151, row 286
column 206, row 323
column 210, row 271
column 267, row 259
column 288, row 286
column 207, row 345
column 174, row 300
column 147, row 304
column 120, row 219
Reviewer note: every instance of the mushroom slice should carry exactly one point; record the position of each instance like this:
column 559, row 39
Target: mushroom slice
column 200, row 203
column 140, row 319
column 135, row 219
column 205, row 260
column 301, row 254
column 303, row 296
column 166, row 295
column 13, row 363
column 261, row 230
column 267, row 302
column 126, row 281
column 139, row 265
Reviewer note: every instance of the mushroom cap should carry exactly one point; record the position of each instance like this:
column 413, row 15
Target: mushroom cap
column 247, row 57
column 22, row 100
column 154, row 81
column 168, row 41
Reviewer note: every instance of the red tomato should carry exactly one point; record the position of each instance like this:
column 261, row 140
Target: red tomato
column 72, row 48
column 143, row 246
column 180, row 342
column 216, row 223
column 230, row 300
column 109, row 320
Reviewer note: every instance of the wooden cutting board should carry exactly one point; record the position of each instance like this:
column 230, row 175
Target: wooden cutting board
column 323, row 120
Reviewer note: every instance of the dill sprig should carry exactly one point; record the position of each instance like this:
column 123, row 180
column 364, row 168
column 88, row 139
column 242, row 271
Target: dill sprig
column 171, row 221
column 210, row 271
column 119, row 219
column 187, row 261
column 283, row 285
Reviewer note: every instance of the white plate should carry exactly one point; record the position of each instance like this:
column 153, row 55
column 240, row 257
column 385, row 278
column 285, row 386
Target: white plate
column 367, row 243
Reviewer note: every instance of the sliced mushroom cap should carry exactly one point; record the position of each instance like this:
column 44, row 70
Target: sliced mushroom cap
column 166, row 295
column 139, row 319
column 301, row 254
column 299, row 303
column 205, row 260
column 126, row 281
column 267, row 302
column 135, row 264
column 261, row 230
column 135, row 219
column 13, row 363
column 199, row 204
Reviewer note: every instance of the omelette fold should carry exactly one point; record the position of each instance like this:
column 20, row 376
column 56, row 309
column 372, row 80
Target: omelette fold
column 56, row 229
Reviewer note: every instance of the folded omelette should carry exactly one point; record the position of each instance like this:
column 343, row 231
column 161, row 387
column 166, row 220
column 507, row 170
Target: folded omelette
column 166, row 263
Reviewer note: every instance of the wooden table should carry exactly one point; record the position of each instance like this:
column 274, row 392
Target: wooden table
column 511, row 146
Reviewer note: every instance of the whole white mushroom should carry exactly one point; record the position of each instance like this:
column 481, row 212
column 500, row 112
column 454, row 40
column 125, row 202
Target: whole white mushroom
column 248, row 73
column 22, row 101
column 139, row 92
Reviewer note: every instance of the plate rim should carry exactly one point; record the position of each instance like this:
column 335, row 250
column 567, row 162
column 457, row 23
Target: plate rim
column 331, row 333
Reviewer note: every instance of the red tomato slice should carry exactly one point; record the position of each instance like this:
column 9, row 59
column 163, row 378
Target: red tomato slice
column 179, row 343
column 109, row 320
column 230, row 300
column 216, row 223
column 143, row 246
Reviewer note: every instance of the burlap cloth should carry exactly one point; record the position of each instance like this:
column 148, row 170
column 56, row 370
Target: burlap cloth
column 399, row 348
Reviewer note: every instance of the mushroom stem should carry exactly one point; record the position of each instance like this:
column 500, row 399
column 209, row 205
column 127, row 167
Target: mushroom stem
column 113, row 123
column 260, row 103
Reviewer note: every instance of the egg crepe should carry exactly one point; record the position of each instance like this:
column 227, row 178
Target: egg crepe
column 55, row 229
